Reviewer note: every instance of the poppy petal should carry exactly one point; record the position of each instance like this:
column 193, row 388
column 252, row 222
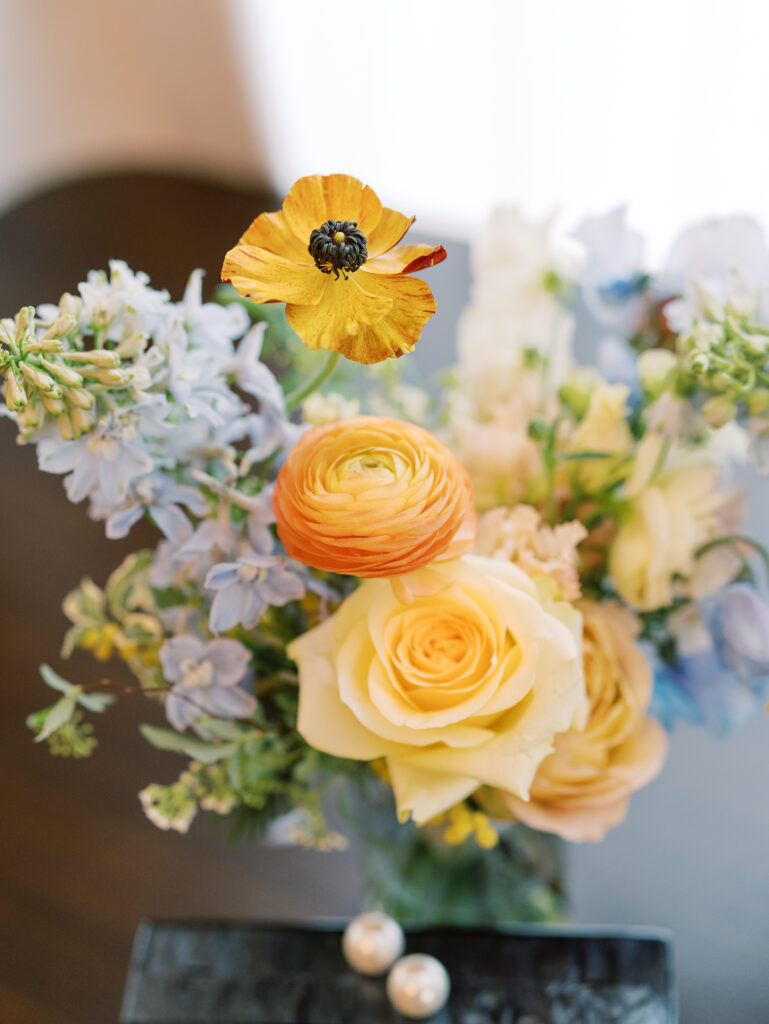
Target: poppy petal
column 318, row 198
column 391, row 228
column 272, row 231
column 405, row 259
column 265, row 277
column 395, row 333
column 345, row 310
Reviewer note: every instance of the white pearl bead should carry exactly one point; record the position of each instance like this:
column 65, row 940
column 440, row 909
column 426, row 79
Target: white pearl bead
column 372, row 942
column 418, row 985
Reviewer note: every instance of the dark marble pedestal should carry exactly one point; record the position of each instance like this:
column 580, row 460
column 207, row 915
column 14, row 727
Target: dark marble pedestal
column 271, row 974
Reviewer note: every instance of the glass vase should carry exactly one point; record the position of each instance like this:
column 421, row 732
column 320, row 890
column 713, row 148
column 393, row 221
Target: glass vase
column 414, row 875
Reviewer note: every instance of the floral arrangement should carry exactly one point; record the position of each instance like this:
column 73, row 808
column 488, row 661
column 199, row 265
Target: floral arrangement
column 496, row 600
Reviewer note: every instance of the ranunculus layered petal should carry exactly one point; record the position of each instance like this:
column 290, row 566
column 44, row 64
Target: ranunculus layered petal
column 458, row 688
column 372, row 497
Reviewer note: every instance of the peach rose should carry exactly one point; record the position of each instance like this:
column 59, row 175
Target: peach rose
column 372, row 497
column 582, row 789
column 456, row 689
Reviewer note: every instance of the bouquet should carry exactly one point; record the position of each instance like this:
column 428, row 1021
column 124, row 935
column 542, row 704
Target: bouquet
column 491, row 602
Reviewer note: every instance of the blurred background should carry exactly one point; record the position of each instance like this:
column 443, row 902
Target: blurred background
column 154, row 132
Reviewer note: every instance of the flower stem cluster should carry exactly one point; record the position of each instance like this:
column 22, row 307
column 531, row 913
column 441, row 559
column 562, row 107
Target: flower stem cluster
column 50, row 374
column 727, row 360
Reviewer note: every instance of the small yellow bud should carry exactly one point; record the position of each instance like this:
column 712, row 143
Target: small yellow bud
column 718, row 411
column 757, row 401
column 656, row 367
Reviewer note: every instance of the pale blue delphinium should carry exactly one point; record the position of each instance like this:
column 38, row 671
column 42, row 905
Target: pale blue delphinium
column 204, row 678
column 613, row 279
column 161, row 497
column 718, row 261
column 193, row 378
column 726, row 681
column 738, row 619
column 108, row 460
column 246, row 587
column 700, row 690
column 210, row 325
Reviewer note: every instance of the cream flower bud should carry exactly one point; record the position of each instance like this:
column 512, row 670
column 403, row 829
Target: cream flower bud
column 109, row 378
column 66, row 429
column 82, row 420
column 44, row 344
column 15, row 395
column 101, row 357
column 41, row 380
column 8, row 333
column 719, row 410
column 319, row 409
column 63, row 373
column 656, row 367
column 70, row 305
column 758, row 401
column 79, row 397
column 52, row 404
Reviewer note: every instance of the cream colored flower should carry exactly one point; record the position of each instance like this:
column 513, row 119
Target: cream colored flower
column 318, row 409
column 518, row 535
column 519, row 267
column 582, row 789
column 457, row 689
column 503, row 462
column 671, row 515
column 604, row 429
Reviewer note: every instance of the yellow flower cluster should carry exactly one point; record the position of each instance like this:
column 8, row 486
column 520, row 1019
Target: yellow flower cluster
column 463, row 823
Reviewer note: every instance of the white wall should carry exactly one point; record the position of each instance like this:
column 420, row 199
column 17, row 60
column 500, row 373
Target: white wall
column 447, row 107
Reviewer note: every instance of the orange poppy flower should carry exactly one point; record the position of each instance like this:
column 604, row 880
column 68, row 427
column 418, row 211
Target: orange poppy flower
column 331, row 255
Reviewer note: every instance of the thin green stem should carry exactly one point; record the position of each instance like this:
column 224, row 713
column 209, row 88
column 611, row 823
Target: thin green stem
column 302, row 391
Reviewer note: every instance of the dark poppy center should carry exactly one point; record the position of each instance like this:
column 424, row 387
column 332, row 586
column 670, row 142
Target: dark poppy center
column 338, row 246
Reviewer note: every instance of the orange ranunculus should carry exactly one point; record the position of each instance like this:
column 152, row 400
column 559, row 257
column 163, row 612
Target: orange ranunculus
column 308, row 255
column 372, row 497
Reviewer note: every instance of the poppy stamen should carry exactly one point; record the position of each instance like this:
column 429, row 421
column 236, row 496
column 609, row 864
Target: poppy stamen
column 338, row 245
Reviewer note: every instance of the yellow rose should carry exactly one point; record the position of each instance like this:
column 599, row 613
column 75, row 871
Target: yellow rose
column 457, row 689
column 582, row 789
column 671, row 516
column 604, row 429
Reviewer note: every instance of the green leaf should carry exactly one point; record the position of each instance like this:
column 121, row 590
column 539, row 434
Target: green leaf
column 169, row 597
column 178, row 743
column 59, row 714
column 582, row 456
column 227, row 730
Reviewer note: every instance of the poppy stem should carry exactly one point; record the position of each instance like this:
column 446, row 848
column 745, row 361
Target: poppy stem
column 299, row 393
